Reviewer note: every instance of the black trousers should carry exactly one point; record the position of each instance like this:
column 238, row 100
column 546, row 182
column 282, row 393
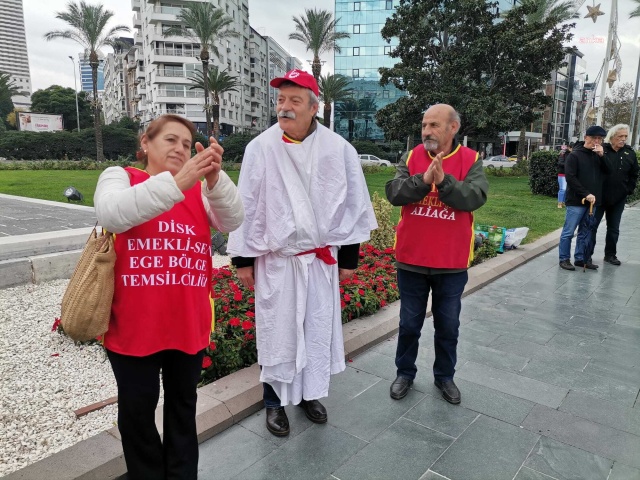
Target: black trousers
column 138, row 379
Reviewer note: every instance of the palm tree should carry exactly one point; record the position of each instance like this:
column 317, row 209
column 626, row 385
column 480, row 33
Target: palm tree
column 348, row 109
column 561, row 11
column 218, row 83
column 317, row 31
column 367, row 107
column 207, row 26
column 333, row 88
column 89, row 29
column 7, row 90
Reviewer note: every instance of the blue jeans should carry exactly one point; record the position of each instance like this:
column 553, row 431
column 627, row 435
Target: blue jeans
column 562, row 183
column 446, row 292
column 269, row 396
column 576, row 217
column 613, row 217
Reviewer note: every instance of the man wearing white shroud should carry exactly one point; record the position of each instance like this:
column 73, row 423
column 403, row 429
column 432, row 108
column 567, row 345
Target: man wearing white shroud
column 307, row 209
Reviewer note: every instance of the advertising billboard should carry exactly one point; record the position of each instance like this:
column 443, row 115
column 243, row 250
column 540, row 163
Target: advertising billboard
column 39, row 122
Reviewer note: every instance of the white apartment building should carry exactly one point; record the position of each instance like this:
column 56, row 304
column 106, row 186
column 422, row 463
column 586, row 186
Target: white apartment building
column 163, row 65
column 14, row 58
column 115, row 100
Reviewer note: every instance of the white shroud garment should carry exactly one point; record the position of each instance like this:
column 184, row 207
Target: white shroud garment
column 298, row 197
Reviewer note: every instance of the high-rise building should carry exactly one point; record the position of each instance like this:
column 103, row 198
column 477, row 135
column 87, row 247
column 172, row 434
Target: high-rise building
column 115, row 100
column 360, row 58
column 86, row 75
column 14, row 57
column 160, row 68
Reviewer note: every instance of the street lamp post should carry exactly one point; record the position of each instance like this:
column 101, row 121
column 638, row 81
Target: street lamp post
column 75, row 84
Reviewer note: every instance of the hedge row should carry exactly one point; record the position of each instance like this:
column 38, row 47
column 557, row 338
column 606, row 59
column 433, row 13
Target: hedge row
column 117, row 142
column 543, row 175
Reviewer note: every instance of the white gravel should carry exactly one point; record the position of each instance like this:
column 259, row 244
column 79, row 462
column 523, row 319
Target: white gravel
column 45, row 377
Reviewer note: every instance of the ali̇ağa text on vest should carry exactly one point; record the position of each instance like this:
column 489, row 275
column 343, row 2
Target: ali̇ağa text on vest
column 163, row 280
column 431, row 233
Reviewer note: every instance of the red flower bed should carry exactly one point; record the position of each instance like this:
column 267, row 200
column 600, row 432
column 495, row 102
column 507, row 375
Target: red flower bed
column 233, row 344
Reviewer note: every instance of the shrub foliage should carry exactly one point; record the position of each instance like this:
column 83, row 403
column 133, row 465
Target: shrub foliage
column 543, row 173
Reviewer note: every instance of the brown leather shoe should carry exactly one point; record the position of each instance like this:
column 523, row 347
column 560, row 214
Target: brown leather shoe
column 314, row 410
column 277, row 421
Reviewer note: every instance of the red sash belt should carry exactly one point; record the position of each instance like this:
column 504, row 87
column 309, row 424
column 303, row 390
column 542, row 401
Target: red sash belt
column 323, row 253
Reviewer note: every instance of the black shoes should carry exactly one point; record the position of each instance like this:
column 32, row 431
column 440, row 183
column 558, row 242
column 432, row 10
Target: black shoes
column 449, row 391
column 314, row 410
column 588, row 265
column 277, row 421
column 400, row 387
column 566, row 265
column 613, row 260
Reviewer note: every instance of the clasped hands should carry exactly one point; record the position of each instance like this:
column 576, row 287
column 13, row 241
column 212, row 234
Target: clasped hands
column 207, row 163
column 434, row 173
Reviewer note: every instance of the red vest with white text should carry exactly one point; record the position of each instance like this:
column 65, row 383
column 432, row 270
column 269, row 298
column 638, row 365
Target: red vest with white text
column 163, row 280
column 431, row 233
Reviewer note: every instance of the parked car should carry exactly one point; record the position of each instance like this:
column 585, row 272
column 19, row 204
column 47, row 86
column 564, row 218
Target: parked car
column 498, row 161
column 372, row 160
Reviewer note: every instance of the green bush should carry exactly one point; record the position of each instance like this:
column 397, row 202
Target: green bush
column 365, row 146
column 543, row 173
column 234, row 146
column 635, row 196
column 117, row 142
column 83, row 164
column 383, row 236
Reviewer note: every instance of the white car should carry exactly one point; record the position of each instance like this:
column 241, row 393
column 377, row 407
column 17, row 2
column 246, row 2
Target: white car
column 498, row 161
column 372, row 160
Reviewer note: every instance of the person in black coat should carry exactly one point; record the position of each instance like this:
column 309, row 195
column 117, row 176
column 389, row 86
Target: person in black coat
column 584, row 170
column 562, row 182
column 617, row 185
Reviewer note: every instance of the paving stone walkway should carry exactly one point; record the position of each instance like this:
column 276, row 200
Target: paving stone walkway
column 549, row 370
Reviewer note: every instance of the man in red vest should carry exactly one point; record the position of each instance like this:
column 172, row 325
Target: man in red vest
column 438, row 186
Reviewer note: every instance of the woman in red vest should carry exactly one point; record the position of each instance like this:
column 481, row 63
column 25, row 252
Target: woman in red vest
column 161, row 314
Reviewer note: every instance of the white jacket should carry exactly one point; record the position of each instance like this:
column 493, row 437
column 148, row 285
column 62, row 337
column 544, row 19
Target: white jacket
column 119, row 206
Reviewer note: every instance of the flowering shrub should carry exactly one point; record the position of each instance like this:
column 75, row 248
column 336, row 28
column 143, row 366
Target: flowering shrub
column 233, row 343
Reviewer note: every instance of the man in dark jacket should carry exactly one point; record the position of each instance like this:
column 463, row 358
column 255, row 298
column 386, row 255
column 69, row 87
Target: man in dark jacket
column 617, row 185
column 584, row 169
column 438, row 185
column 562, row 182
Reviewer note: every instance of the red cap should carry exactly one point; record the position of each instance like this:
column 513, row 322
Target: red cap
column 299, row 77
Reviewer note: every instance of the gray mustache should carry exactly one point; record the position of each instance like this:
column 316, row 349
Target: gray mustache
column 286, row 114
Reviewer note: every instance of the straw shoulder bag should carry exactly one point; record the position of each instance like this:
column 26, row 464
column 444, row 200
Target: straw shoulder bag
column 86, row 304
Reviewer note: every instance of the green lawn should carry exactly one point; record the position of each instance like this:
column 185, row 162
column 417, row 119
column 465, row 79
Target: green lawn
column 510, row 202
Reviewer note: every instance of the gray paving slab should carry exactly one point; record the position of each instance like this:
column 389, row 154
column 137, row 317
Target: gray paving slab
column 373, row 411
column 620, row 471
column 435, row 413
column 607, row 388
column 564, row 462
column 611, row 414
column 212, row 464
column 493, row 403
column 584, row 434
column 405, row 450
column 313, row 454
column 514, row 384
column 488, row 449
column 21, row 216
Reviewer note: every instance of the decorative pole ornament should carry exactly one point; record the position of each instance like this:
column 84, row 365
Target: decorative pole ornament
column 611, row 78
column 594, row 12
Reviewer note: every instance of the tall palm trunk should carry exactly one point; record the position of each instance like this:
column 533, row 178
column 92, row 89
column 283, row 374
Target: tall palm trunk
column 521, row 142
column 94, row 63
column 316, row 67
column 204, row 56
column 327, row 115
column 215, row 108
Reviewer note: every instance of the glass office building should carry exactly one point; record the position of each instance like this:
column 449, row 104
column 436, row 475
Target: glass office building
column 360, row 58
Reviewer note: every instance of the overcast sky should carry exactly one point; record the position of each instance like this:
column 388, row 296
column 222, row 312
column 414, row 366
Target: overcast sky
column 50, row 64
